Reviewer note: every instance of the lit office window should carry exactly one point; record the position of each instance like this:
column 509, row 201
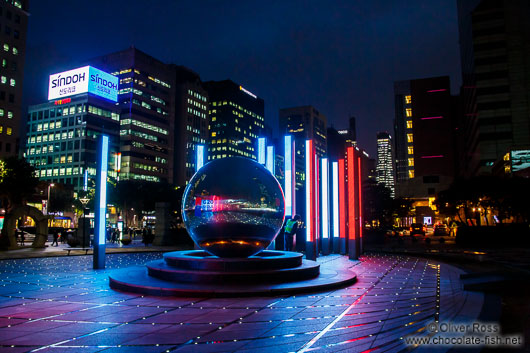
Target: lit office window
column 15, row 51
column 411, row 174
column 410, row 150
column 12, row 82
column 3, row 79
column 408, row 112
column 9, row 131
column 409, row 138
column 409, row 124
column 411, row 162
column 6, row 47
column 408, row 99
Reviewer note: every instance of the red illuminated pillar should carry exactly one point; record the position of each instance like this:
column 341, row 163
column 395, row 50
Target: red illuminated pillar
column 352, row 221
column 310, row 201
column 342, row 206
column 359, row 241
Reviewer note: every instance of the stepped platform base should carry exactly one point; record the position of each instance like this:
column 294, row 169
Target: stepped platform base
column 195, row 273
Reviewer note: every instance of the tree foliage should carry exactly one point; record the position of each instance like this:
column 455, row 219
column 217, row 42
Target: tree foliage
column 17, row 182
column 504, row 197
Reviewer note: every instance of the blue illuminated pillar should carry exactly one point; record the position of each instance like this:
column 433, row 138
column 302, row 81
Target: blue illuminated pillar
column 100, row 207
column 335, row 230
column 270, row 159
column 200, row 152
column 324, row 200
column 289, row 181
column 85, row 180
column 262, row 141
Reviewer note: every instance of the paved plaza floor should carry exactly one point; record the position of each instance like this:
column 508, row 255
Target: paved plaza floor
column 59, row 304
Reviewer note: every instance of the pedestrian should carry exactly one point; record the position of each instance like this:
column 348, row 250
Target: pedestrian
column 290, row 231
column 55, row 237
column 22, row 238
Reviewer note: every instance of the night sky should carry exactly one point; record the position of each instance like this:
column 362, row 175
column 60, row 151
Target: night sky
column 340, row 56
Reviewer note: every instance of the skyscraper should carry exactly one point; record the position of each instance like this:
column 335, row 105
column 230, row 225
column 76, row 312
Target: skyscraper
column 385, row 161
column 236, row 120
column 147, row 114
column 191, row 122
column 403, row 134
column 425, row 139
column 14, row 19
column 494, row 47
column 304, row 123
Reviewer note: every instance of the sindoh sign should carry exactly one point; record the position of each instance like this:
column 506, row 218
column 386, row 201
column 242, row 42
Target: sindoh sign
column 82, row 80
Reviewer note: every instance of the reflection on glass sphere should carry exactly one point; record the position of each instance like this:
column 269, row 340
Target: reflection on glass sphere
column 233, row 207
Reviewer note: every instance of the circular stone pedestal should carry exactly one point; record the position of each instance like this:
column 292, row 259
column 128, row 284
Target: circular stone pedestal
column 197, row 273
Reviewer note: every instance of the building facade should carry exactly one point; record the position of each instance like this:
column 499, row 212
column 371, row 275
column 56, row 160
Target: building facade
column 494, row 47
column 425, row 136
column 191, row 122
column 61, row 139
column 385, row 162
column 304, row 123
column 236, row 120
column 403, row 134
column 13, row 29
column 146, row 104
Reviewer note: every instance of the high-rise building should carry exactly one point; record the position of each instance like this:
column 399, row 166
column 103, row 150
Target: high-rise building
column 146, row 104
column 304, row 123
column 425, row 141
column 385, row 161
column 14, row 19
column 61, row 134
column 494, row 47
column 403, row 134
column 236, row 120
column 191, row 122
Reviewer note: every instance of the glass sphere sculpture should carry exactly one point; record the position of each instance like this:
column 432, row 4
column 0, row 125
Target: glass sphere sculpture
column 233, row 207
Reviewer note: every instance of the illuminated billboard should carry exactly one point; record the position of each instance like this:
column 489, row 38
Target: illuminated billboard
column 520, row 160
column 82, row 80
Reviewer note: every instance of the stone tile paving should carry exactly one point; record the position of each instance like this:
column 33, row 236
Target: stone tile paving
column 59, row 304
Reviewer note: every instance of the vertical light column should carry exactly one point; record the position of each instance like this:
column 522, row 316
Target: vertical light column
column 289, row 173
column 200, row 151
column 352, row 224
column 262, row 141
column 360, row 206
column 335, row 206
column 85, row 180
column 342, row 206
column 324, row 179
column 269, row 164
column 310, row 199
column 316, row 202
column 101, row 202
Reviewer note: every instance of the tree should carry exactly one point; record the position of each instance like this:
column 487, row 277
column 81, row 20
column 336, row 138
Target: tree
column 377, row 203
column 17, row 182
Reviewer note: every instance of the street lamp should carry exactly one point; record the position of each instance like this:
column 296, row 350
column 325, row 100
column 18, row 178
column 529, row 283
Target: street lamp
column 48, row 202
column 84, row 201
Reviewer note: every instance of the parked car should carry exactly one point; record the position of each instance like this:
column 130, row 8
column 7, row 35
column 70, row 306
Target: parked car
column 417, row 229
column 441, row 230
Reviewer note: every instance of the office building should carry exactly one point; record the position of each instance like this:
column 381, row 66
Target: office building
column 425, row 136
column 236, row 120
column 304, row 123
column 494, row 46
column 191, row 122
column 403, row 134
column 61, row 134
column 146, row 103
column 385, row 161
column 13, row 29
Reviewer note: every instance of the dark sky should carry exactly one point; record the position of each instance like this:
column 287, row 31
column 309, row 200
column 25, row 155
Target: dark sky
column 339, row 56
